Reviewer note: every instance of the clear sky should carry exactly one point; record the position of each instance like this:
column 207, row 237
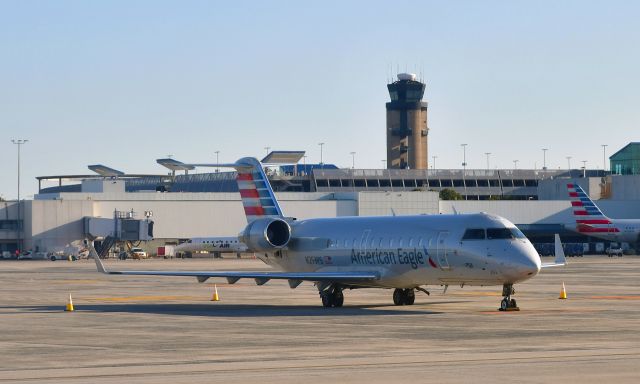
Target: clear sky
column 123, row 83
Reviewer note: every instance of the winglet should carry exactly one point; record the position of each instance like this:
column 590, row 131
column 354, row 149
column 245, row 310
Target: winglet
column 94, row 254
column 560, row 258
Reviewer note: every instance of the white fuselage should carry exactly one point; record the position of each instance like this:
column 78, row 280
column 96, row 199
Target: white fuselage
column 212, row 244
column 619, row 230
column 409, row 251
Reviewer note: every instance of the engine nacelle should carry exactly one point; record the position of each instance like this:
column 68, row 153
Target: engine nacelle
column 266, row 234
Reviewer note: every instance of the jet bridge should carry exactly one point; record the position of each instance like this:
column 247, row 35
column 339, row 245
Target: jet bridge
column 122, row 228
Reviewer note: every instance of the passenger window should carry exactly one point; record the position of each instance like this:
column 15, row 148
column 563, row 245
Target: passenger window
column 473, row 234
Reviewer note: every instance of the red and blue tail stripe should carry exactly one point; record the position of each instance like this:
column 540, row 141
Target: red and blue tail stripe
column 257, row 196
column 589, row 218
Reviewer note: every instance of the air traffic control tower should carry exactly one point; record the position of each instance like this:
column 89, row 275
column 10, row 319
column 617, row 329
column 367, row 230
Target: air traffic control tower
column 407, row 124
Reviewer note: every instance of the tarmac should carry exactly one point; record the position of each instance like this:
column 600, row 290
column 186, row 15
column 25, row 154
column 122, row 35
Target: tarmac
column 144, row 329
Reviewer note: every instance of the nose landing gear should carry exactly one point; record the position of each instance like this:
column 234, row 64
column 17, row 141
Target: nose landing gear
column 507, row 303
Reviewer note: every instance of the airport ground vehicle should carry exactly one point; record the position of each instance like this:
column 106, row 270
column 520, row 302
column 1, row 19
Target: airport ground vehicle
column 614, row 251
column 138, row 253
column 53, row 256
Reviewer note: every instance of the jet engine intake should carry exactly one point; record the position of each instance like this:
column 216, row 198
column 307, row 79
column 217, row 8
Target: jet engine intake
column 266, row 234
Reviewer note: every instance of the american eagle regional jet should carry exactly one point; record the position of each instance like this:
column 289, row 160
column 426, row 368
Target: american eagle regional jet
column 403, row 253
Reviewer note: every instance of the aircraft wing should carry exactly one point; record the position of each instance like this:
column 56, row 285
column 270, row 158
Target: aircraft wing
column 295, row 278
column 560, row 258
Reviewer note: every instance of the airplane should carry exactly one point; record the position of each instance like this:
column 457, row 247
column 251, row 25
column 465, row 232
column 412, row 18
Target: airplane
column 403, row 253
column 211, row 244
column 592, row 222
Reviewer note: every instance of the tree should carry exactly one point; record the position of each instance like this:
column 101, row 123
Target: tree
column 449, row 194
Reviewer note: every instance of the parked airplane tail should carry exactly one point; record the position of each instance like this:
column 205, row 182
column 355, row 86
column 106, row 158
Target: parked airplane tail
column 257, row 195
column 589, row 218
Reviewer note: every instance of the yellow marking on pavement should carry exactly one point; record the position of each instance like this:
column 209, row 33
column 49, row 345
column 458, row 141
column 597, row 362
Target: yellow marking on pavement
column 620, row 297
column 541, row 311
column 78, row 281
column 474, row 293
column 142, row 298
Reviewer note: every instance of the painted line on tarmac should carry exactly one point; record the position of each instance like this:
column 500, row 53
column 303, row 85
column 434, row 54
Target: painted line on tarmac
column 140, row 298
column 78, row 281
column 617, row 297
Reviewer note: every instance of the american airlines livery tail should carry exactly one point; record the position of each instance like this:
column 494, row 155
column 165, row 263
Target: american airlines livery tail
column 592, row 222
column 403, row 253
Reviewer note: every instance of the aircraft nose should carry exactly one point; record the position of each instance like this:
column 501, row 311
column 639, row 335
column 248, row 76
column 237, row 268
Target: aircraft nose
column 529, row 263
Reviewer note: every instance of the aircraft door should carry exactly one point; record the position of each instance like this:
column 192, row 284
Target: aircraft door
column 442, row 250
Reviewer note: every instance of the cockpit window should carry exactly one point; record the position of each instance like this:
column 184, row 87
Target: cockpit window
column 504, row 233
column 473, row 234
column 499, row 233
column 517, row 233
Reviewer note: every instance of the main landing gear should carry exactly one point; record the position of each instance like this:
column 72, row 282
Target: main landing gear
column 404, row 296
column 332, row 297
column 507, row 303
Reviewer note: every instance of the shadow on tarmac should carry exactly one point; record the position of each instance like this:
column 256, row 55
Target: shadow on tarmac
column 232, row 310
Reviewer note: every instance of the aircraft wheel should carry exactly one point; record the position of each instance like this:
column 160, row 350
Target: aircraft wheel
column 512, row 304
column 398, row 297
column 409, row 297
column 504, row 304
column 326, row 299
column 338, row 299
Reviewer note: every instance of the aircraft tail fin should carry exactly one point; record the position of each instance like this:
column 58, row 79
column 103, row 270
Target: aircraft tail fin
column 257, row 195
column 589, row 218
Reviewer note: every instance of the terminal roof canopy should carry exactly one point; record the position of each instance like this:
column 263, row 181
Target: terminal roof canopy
column 174, row 165
column 283, row 157
column 105, row 171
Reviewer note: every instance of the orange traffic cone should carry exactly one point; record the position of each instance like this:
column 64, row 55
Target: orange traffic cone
column 215, row 293
column 69, row 307
column 563, row 292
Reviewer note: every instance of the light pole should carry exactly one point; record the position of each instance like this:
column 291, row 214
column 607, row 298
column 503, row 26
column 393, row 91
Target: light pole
column 544, row 158
column 267, row 149
column 584, row 168
column 515, row 164
column 434, row 161
column 604, row 156
column 19, row 143
column 321, row 163
column 384, row 164
column 353, row 160
column 569, row 163
column 464, row 156
column 217, row 160
column 488, row 154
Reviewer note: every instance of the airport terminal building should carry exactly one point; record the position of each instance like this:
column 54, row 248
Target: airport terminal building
column 208, row 204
